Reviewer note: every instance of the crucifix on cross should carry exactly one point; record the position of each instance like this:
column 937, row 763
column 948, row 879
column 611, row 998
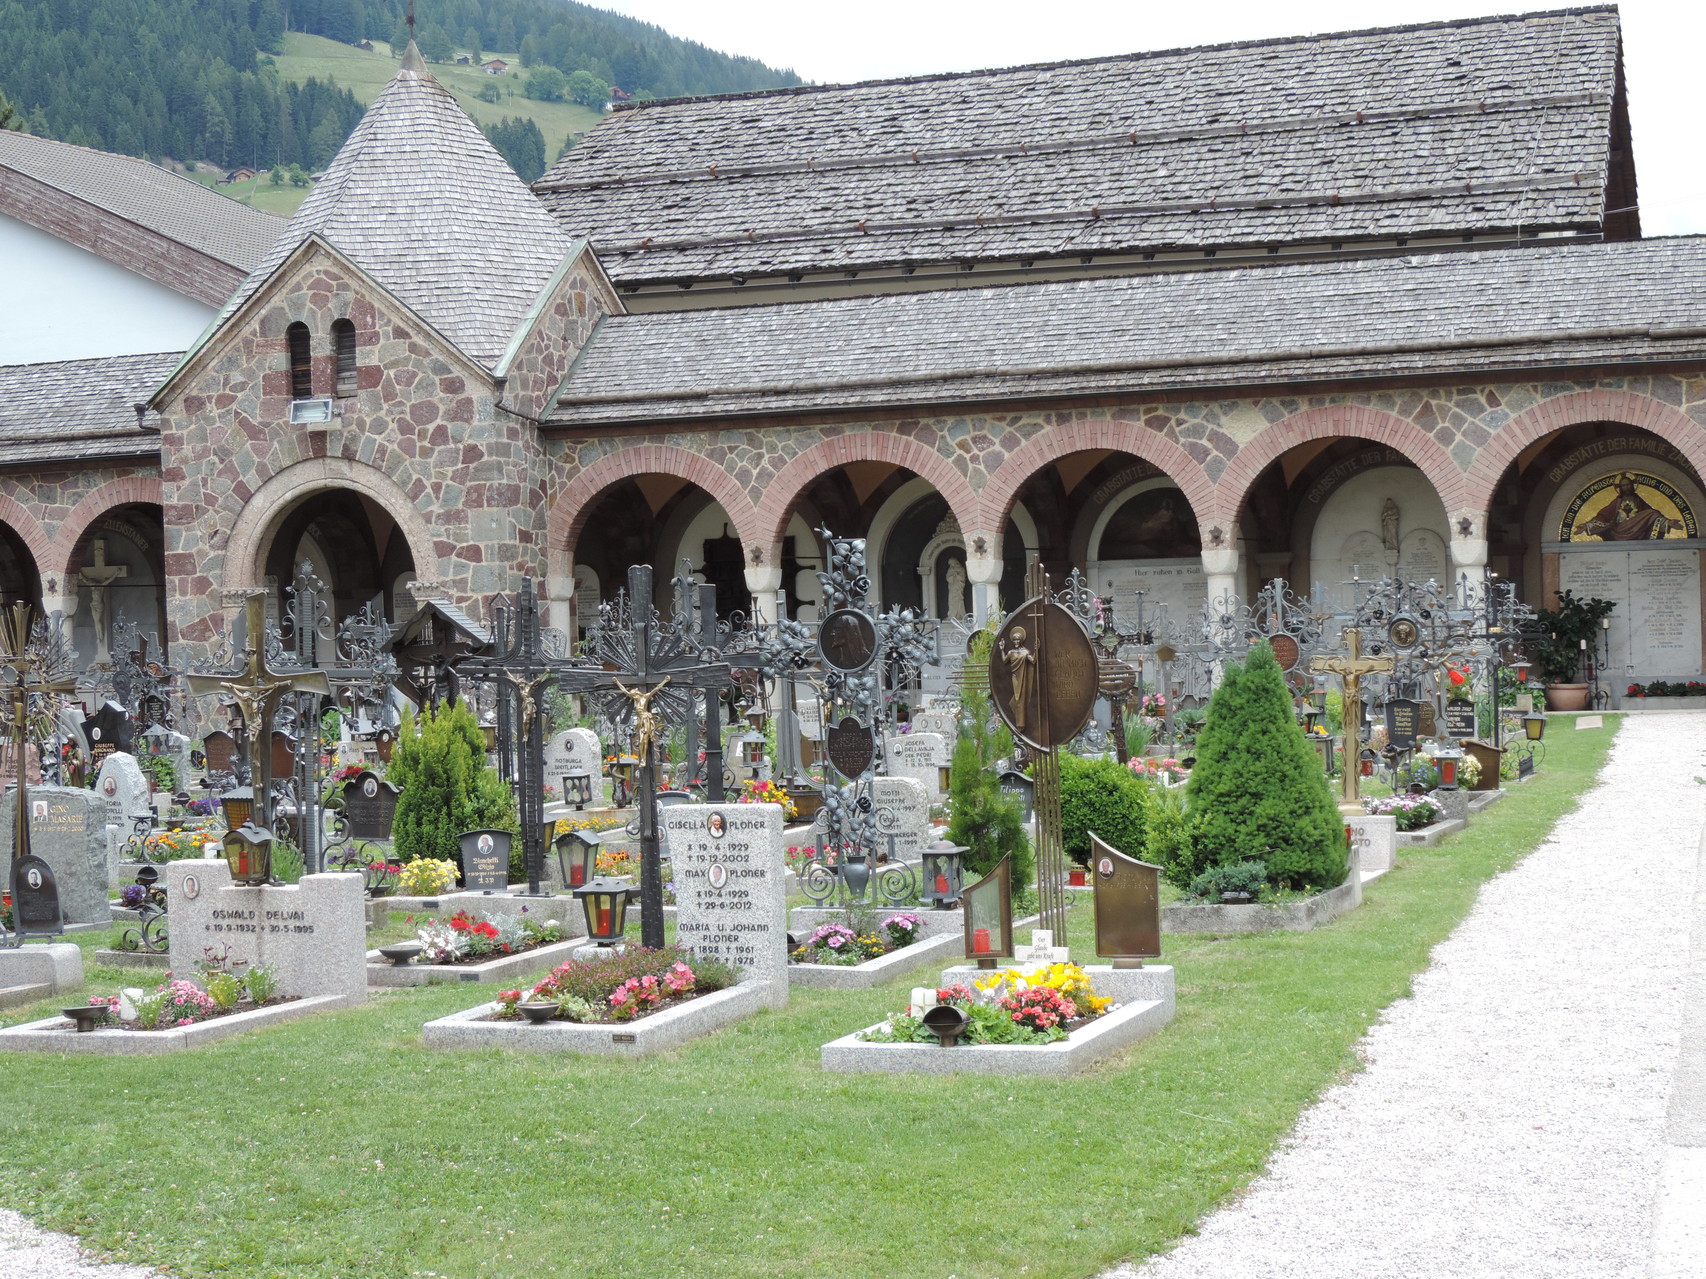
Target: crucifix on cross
column 642, row 663
column 1351, row 669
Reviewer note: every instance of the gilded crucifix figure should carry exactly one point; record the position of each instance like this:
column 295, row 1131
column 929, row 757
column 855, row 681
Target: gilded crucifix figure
column 1350, row 669
column 648, row 727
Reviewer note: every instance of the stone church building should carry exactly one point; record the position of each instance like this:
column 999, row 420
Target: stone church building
column 1322, row 309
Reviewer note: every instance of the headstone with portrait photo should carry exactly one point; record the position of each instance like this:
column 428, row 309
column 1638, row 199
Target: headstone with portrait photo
column 485, row 860
column 68, row 832
column 731, row 904
column 370, row 805
column 124, row 787
column 919, row 756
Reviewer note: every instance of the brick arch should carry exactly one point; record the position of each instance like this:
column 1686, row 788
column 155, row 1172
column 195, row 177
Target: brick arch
column 1058, row 442
column 574, row 504
column 1627, row 408
column 1389, row 429
column 17, row 518
column 132, row 490
column 782, row 494
column 261, row 515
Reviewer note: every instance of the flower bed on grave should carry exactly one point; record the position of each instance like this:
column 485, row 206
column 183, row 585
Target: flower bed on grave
column 473, row 947
column 621, row 988
column 474, row 939
column 1043, row 1006
column 1413, row 812
column 857, row 940
column 177, row 1014
column 625, row 1014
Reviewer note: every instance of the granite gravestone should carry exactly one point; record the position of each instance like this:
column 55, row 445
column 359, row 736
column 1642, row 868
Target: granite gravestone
column 730, row 901
column 810, row 711
column 1460, row 719
column 1403, row 723
column 68, row 832
column 313, row 934
column 903, row 812
column 1020, row 786
column 219, row 749
column 1375, row 839
column 124, row 787
column 919, row 756
column 370, row 804
column 574, row 750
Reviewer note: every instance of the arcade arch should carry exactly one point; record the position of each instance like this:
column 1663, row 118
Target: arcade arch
column 116, row 570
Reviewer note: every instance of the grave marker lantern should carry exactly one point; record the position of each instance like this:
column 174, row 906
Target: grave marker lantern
column 752, row 750
column 944, row 777
column 944, row 872
column 989, row 916
column 248, row 851
column 238, row 805
column 1447, row 757
column 577, row 855
column 605, row 901
column 1534, row 725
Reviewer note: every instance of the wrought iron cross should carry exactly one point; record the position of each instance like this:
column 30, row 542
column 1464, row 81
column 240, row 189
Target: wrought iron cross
column 35, row 664
column 641, row 659
column 256, row 688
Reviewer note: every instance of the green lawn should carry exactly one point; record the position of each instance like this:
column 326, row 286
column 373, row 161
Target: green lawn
column 336, row 1146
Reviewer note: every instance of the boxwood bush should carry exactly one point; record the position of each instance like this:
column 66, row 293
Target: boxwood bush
column 1104, row 796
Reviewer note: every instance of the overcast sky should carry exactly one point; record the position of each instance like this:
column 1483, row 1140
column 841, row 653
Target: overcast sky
column 829, row 42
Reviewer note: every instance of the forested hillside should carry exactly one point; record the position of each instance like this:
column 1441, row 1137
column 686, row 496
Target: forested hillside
column 192, row 79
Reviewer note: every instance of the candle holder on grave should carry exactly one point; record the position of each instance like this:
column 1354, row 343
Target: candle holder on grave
column 944, row 871
column 577, row 855
column 605, row 901
column 1534, row 726
column 577, row 789
column 1447, row 757
column 248, row 852
column 989, row 916
column 751, row 744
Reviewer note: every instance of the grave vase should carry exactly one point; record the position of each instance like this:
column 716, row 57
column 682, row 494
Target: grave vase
column 1567, row 697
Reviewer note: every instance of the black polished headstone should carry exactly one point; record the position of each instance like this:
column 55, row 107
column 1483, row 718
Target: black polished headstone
column 1013, row 782
column 370, row 804
column 107, row 730
column 485, row 860
column 1403, row 721
column 1460, row 719
column 35, row 898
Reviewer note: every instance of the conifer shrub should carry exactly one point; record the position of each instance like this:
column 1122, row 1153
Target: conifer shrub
column 1104, row 796
column 1166, row 838
column 987, row 821
column 439, row 762
column 1257, row 792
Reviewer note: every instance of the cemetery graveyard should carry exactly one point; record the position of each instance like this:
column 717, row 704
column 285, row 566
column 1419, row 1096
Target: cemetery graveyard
column 991, row 881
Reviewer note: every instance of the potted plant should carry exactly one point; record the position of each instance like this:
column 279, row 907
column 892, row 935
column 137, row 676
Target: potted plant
column 1572, row 628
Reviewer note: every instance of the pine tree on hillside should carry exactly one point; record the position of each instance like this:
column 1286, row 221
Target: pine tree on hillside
column 1257, row 792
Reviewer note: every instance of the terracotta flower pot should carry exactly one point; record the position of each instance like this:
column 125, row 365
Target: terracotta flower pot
column 1567, row 697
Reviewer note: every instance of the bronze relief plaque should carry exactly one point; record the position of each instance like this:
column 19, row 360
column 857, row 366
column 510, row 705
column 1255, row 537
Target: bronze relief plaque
column 1128, row 904
column 1285, row 651
column 851, row 746
column 847, row 640
column 1043, row 674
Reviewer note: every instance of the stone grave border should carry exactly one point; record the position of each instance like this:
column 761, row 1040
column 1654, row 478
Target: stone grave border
column 658, row 1032
column 1148, row 1005
column 55, row 1034
column 1430, row 836
column 133, row 958
column 1482, row 799
column 39, row 970
column 1291, row 917
column 946, row 941
column 565, row 910
column 382, row 972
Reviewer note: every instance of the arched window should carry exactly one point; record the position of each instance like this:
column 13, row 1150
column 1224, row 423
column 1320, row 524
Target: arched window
column 343, row 342
column 301, row 364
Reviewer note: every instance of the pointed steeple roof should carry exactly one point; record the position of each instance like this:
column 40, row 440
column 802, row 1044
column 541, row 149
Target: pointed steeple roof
column 420, row 200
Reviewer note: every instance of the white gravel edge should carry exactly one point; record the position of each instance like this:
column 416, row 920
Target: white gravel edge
column 27, row 1252
column 1512, row 1119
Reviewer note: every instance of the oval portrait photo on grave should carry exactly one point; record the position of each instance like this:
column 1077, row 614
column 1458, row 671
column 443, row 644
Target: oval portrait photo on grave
column 718, row 875
column 484, row 843
column 370, row 787
column 716, row 825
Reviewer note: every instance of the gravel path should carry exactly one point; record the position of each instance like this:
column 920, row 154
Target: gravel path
column 28, row 1253
column 1511, row 1119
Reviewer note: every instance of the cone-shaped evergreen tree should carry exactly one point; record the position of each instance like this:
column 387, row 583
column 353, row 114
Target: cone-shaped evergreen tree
column 439, row 762
column 1257, row 792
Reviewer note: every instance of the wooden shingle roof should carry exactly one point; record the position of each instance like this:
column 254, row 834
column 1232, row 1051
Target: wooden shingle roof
column 419, row 199
column 1426, row 315
column 78, row 410
column 1476, row 126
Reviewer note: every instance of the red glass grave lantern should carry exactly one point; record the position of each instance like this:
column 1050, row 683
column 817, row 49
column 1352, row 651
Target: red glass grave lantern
column 605, row 901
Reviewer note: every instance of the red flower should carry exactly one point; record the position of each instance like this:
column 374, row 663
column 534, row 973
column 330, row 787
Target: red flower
column 1456, row 676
